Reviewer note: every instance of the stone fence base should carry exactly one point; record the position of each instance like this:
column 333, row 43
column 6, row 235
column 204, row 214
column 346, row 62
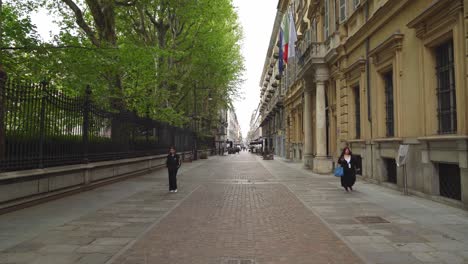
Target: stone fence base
column 25, row 188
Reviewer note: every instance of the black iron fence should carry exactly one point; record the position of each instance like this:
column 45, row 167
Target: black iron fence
column 41, row 127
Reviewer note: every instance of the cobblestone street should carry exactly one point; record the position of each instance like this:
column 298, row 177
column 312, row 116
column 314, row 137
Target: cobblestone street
column 236, row 209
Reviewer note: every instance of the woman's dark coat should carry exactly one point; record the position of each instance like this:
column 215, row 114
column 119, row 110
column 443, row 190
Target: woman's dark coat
column 349, row 177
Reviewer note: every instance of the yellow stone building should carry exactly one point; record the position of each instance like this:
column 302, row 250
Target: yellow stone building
column 377, row 74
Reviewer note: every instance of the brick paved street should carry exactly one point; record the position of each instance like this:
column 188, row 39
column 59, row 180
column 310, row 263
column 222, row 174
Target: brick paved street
column 235, row 209
column 242, row 215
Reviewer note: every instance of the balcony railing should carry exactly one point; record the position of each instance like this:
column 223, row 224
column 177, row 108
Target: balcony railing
column 308, row 53
column 314, row 53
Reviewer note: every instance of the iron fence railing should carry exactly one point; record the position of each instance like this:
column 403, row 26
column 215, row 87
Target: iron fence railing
column 42, row 127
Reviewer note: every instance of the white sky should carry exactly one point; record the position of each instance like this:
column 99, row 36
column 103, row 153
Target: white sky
column 45, row 24
column 256, row 18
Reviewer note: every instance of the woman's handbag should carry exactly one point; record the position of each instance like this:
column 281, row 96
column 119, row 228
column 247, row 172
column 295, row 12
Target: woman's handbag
column 338, row 171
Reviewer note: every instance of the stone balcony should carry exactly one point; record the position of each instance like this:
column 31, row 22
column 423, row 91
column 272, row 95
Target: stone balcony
column 331, row 46
column 308, row 55
column 278, row 101
column 274, row 99
column 314, row 53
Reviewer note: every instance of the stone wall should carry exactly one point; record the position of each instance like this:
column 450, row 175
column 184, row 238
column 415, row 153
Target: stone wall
column 421, row 171
column 21, row 187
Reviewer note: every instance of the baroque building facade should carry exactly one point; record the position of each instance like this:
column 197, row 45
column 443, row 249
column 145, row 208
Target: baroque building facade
column 254, row 135
column 374, row 75
column 272, row 92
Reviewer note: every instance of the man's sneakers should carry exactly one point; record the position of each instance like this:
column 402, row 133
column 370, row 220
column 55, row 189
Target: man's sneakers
column 173, row 190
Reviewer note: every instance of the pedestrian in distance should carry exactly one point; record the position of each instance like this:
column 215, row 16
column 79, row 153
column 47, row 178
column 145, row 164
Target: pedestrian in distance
column 348, row 162
column 173, row 164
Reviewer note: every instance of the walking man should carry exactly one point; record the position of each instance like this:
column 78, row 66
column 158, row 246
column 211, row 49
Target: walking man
column 173, row 164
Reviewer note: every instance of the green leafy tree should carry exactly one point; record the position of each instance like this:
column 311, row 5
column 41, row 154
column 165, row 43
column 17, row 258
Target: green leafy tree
column 17, row 32
column 151, row 56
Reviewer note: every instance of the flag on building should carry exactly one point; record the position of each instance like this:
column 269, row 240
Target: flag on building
column 289, row 37
column 292, row 36
column 280, row 53
column 285, row 39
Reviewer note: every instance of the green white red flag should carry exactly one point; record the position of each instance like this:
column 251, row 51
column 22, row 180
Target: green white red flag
column 289, row 33
column 285, row 41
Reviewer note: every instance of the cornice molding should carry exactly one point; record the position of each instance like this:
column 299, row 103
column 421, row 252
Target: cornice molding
column 437, row 15
column 375, row 22
column 357, row 67
column 335, row 72
column 387, row 48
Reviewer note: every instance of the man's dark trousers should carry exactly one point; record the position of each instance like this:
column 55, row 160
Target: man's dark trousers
column 172, row 179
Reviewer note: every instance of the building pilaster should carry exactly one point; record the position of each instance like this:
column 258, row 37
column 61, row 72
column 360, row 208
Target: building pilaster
column 308, row 126
column 322, row 163
column 320, row 134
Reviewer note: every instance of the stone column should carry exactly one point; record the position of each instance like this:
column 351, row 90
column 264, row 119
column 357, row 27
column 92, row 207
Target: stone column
column 322, row 164
column 307, row 116
column 320, row 134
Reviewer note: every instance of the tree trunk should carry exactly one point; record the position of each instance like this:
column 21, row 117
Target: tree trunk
column 104, row 36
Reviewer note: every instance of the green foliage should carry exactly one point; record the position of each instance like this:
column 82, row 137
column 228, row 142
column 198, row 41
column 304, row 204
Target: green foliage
column 148, row 56
column 18, row 31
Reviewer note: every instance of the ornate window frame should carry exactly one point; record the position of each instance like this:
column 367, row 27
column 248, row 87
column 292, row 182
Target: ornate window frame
column 355, row 77
column 440, row 22
column 387, row 57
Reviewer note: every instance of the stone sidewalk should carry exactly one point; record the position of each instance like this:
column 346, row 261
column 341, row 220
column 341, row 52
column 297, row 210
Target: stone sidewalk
column 236, row 209
column 411, row 229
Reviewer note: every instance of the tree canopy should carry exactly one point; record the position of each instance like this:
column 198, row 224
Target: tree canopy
column 150, row 56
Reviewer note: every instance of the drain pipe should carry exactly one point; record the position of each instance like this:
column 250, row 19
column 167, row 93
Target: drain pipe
column 368, row 89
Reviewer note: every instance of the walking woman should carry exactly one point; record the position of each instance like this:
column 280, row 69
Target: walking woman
column 348, row 162
column 173, row 163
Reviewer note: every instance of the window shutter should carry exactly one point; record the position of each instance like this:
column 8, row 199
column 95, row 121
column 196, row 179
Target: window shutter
column 326, row 24
column 342, row 11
